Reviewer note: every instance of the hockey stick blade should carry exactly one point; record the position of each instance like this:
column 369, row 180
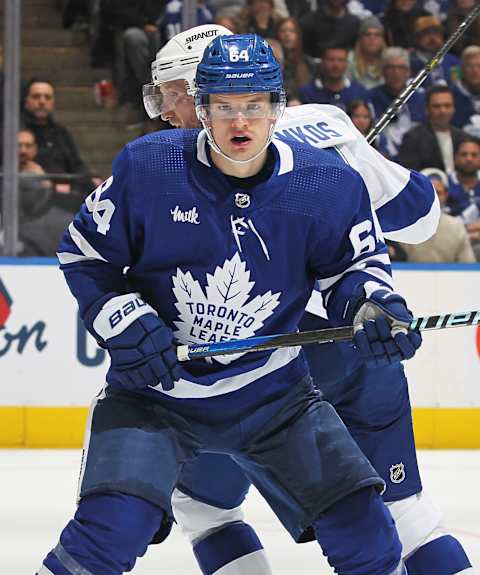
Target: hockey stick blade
column 334, row 334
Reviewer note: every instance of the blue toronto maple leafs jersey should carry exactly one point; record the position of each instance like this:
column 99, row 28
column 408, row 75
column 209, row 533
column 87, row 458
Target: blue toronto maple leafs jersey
column 169, row 231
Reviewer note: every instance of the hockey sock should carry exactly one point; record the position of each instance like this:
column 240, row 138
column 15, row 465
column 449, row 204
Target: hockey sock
column 233, row 550
column 108, row 533
column 442, row 556
column 358, row 536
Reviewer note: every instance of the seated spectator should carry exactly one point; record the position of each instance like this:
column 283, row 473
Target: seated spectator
column 360, row 112
column 137, row 39
column 57, row 151
column 399, row 22
column 34, row 193
column 364, row 63
column 298, row 68
column 431, row 143
column 464, row 189
column 467, row 93
column 330, row 24
column 331, row 86
column 457, row 12
column 450, row 243
column 259, row 17
column 42, row 220
column 396, row 72
column 299, row 8
column 429, row 38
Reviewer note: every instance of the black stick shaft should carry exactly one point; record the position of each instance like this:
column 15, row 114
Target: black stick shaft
column 334, row 334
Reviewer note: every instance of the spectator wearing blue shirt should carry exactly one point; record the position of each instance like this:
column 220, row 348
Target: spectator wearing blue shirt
column 429, row 38
column 396, row 72
column 331, row 86
column 464, row 189
column 467, row 93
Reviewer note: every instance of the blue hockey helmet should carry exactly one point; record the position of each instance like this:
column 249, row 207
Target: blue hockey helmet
column 238, row 63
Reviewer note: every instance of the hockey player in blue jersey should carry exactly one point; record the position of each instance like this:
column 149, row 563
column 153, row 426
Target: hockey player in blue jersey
column 373, row 403
column 218, row 234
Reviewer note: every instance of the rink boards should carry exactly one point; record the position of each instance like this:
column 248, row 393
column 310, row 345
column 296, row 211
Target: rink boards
column 51, row 368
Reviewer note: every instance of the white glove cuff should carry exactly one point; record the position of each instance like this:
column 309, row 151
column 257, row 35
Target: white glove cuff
column 118, row 313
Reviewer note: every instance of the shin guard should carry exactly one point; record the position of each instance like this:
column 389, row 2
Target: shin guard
column 108, row 533
column 442, row 556
column 358, row 536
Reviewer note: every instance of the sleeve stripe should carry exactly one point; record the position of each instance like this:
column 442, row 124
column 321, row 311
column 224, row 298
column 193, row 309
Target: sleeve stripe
column 326, row 283
column 83, row 245
column 419, row 231
column 67, row 258
column 380, row 274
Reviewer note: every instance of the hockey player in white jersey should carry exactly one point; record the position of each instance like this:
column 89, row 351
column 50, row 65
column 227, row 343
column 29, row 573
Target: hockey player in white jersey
column 208, row 235
column 211, row 490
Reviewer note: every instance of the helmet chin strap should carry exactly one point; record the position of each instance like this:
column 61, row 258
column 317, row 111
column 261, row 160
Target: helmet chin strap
column 215, row 146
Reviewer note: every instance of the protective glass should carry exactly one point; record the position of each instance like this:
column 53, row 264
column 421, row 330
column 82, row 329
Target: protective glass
column 158, row 102
column 248, row 110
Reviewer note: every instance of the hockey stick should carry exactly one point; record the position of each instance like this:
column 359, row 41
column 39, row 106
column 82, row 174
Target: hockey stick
column 334, row 334
column 398, row 103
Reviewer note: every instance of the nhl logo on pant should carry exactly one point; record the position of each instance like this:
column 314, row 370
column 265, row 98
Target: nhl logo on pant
column 397, row 473
column 242, row 200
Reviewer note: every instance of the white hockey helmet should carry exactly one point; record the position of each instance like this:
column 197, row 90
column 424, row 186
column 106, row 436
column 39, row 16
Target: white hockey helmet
column 178, row 60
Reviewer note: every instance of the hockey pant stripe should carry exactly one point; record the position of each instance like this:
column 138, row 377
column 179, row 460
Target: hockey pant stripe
column 70, row 564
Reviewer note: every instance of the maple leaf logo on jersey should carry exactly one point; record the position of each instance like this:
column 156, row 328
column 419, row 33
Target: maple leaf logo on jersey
column 224, row 311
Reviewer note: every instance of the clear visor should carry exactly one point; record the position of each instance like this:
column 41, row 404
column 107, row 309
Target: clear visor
column 160, row 100
column 248, row 110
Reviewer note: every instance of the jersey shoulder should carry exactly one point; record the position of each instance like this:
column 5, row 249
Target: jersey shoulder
column 166, row 154
column 322, row 184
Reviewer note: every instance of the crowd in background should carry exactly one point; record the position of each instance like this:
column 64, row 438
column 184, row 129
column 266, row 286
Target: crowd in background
column 358, row 55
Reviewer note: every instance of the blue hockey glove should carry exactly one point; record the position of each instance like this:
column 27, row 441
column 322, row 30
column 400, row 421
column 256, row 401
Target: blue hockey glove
column 144, row 354
column 381, row 329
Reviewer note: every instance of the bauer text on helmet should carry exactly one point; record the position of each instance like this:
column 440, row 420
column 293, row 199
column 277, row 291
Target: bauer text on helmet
column 233, row 66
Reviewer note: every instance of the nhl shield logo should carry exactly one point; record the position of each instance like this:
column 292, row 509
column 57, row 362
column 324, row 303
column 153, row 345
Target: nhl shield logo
column 397, row 473
column 242, row 200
